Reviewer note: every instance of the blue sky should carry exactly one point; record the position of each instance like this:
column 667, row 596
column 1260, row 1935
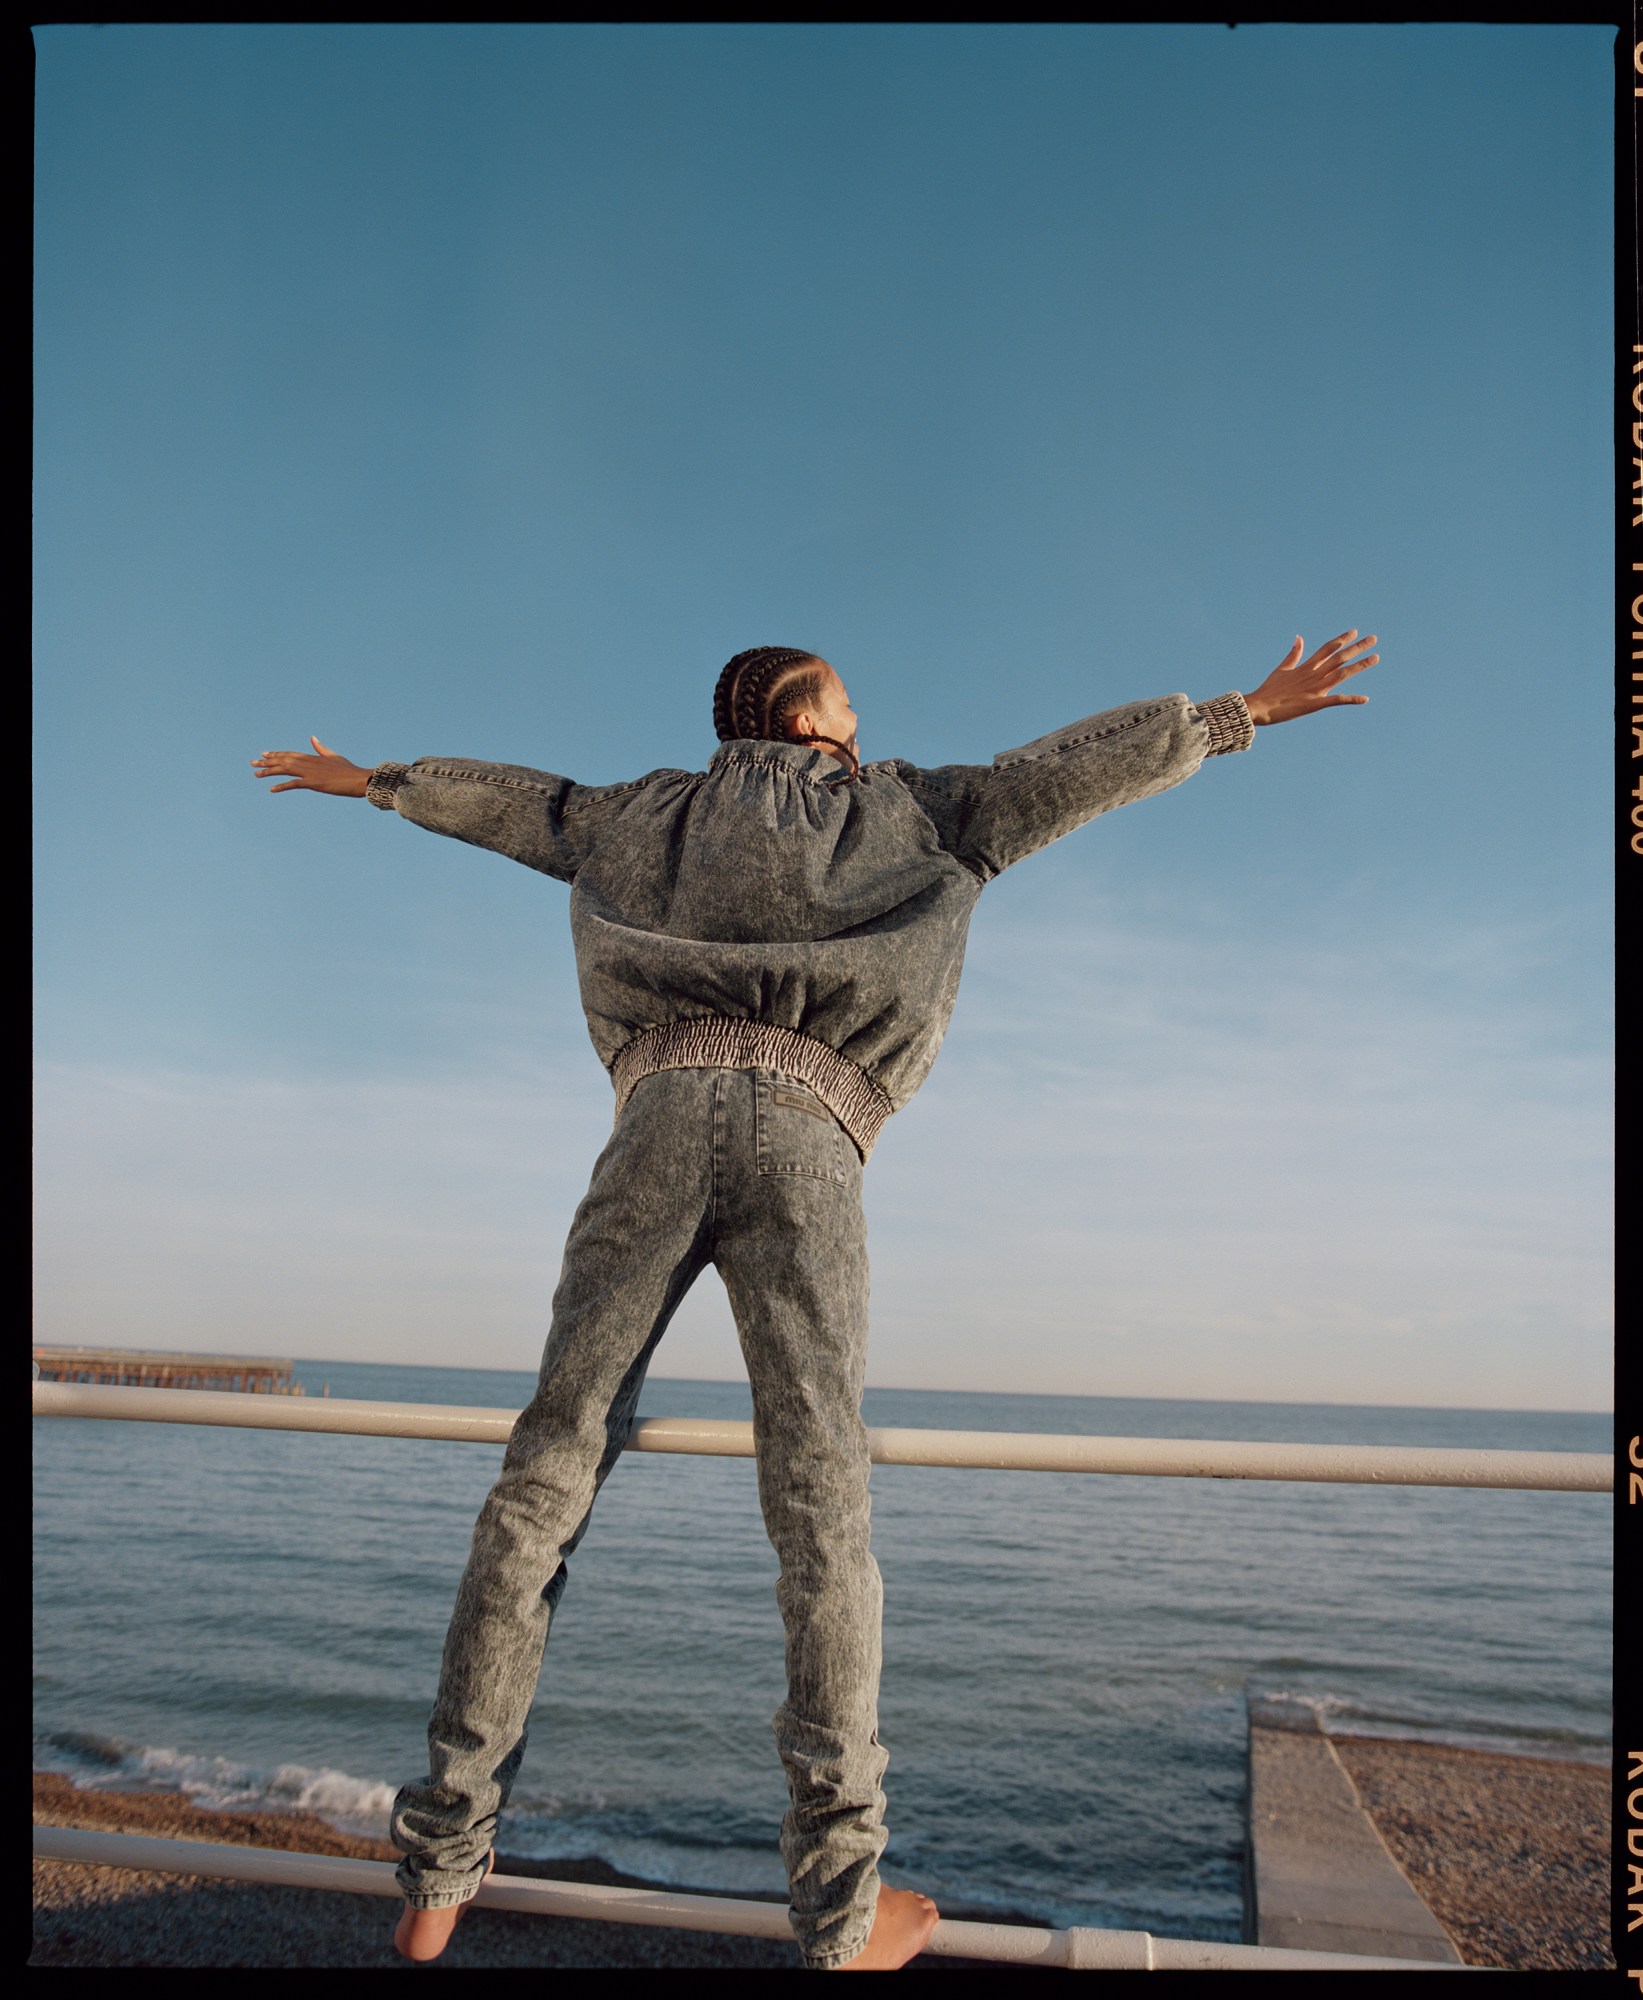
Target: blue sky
column 480, row 390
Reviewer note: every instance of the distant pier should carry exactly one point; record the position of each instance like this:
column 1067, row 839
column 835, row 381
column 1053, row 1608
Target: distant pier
column 141, row 1368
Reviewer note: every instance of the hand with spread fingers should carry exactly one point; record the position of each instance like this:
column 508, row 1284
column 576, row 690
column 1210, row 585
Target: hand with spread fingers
column 325, row 771
column 1301, row 687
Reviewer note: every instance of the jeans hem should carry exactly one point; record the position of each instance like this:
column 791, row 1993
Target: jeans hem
column 439, row 1899
column 834, row 1960
column 830, row 1961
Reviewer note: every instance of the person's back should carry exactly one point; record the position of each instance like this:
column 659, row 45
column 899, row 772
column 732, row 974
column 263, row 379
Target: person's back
column 821, row 902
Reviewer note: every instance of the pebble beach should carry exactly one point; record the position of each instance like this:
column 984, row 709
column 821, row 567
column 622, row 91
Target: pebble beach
column 1510, row 1853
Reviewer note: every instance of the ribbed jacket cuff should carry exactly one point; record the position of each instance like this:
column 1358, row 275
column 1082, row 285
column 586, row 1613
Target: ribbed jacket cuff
column 1229, row 725
column 383, row 782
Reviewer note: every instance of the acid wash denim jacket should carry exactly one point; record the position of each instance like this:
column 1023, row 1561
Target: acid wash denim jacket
column 775, row 912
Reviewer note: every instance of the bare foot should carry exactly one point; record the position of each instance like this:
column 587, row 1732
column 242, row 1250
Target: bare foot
column 901, row 1929
column 423, row 1934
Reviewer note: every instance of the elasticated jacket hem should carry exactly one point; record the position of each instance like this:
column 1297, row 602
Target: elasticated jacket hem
column 854, row 1099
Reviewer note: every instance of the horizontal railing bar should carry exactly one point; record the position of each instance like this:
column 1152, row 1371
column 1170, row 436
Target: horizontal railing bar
column 1021, row 1451
column 1076, row 1949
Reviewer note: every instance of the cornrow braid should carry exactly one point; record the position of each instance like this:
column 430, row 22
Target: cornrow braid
column 761, row 688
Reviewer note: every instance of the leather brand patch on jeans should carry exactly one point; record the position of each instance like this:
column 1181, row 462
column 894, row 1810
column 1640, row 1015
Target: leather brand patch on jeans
column 799, row 1102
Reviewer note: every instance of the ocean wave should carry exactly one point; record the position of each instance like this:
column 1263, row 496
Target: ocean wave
column 1342, row 1715
column 728, row 1870
column 102, row 1763
column 548, row 1829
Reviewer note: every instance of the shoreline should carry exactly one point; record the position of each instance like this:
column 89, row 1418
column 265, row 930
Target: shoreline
column 1510, row 1852
column 112, row 1916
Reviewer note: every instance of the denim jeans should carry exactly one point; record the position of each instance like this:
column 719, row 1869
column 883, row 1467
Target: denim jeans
column 748, row 1170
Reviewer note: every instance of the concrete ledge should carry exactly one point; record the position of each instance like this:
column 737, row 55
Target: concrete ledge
column 1318, row 1876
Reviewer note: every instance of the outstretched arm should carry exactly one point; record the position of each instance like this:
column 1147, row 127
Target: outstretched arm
column 535, row 817
column 989, row 817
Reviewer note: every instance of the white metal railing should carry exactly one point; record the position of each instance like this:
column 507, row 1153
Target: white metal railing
column 1077, row 1950
column 1023, row 1451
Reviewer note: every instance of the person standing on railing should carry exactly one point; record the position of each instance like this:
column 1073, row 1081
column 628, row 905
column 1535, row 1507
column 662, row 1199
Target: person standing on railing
column 768, row 954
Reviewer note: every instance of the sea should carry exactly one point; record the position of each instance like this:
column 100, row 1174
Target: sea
column 254, row 1619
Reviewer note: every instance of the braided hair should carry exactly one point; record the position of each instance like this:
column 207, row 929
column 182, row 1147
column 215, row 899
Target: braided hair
column 761, row 688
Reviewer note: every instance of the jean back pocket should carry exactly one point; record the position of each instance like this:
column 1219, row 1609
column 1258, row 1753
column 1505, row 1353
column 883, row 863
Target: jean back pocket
column 795, row 1133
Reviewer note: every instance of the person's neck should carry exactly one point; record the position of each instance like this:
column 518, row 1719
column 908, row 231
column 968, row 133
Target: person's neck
column 841, row 753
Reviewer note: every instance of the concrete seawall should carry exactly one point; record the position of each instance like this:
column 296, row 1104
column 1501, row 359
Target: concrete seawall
column 1317, row 1875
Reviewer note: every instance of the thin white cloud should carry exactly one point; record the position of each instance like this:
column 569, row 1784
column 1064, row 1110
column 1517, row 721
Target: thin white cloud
column 1157, row 1159
column 1147, row 1164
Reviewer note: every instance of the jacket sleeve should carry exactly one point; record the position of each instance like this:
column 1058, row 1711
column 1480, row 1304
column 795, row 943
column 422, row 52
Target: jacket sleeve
column 988, row 816
column 534, row 817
